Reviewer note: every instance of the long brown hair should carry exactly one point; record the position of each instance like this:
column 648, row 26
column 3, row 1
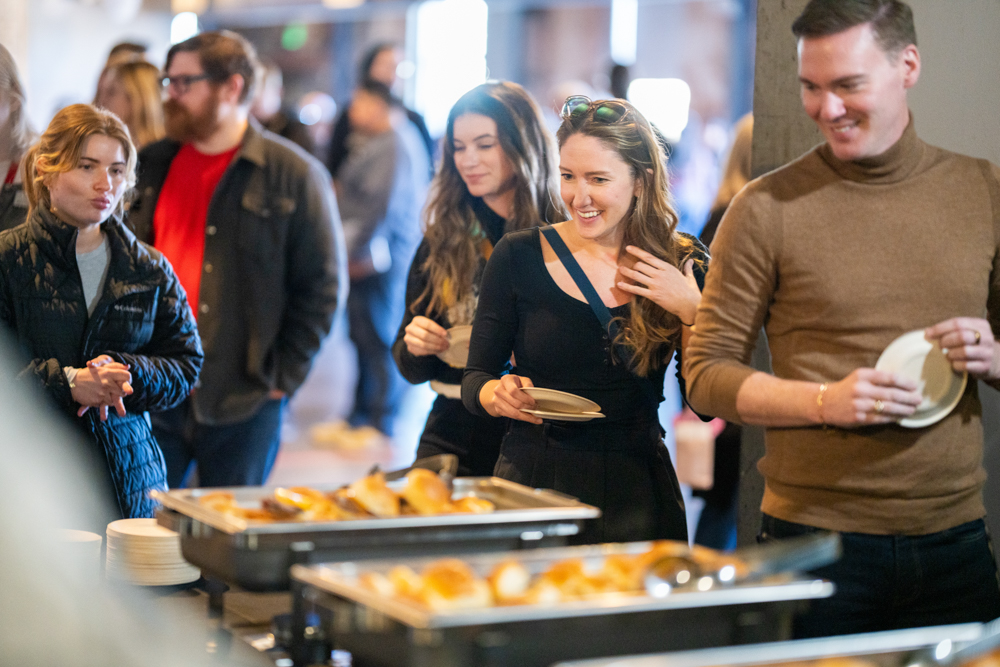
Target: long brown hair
column 141, row 82
column 452, row 230
column 650, row 224
column 61, row 145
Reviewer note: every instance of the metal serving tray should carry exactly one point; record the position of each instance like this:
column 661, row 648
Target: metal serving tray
column 384, row 631
column 257, row 555
column 895, row 648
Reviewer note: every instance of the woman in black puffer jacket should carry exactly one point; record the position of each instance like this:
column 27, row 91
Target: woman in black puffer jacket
column 101, row 317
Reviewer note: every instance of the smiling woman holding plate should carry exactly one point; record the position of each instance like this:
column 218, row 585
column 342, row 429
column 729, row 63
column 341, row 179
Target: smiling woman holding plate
column 595, row 306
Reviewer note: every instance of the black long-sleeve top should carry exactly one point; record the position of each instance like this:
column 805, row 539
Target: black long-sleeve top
column 556, row 339
column 421, row 369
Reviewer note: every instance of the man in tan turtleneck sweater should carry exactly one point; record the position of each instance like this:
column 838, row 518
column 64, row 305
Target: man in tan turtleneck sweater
column 866, row 237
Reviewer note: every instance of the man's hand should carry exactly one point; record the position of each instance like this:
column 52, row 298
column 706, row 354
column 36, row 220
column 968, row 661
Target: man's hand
column 867, row 397
column 504, row 398
column 423, row 336
column 969, row 344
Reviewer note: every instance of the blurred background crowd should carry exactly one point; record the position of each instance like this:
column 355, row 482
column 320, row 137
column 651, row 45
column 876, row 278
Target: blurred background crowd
column 687, row 65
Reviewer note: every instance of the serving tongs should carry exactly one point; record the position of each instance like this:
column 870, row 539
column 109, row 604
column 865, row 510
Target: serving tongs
column 683, row 573
column 945, row 654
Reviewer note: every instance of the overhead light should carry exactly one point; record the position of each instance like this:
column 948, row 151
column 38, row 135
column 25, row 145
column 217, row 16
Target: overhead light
column 664, row 102
column 183, row 26
column 342, row 4
column 181, row 6
column 450, row 56
column 624, row 30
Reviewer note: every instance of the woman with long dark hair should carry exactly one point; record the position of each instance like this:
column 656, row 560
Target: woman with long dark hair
column 595, row 306
column 497, row 175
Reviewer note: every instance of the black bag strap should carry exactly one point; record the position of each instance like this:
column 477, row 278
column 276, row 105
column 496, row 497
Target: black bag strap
column 581, row 280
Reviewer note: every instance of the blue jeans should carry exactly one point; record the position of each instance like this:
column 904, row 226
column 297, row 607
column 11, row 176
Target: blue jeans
column 240, row 454
column 889, row 582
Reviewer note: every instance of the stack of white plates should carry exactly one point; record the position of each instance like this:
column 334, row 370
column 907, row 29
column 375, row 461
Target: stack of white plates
column 83, row 553
column 142, row 552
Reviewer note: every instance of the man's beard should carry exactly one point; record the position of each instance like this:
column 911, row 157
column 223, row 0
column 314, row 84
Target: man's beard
column 187, row 127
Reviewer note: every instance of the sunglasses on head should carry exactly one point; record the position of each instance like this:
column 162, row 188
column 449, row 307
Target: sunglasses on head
column 604, row 111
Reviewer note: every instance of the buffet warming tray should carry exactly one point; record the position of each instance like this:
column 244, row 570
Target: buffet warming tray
column 382, row 631
column 257, row 555
column 896, row 648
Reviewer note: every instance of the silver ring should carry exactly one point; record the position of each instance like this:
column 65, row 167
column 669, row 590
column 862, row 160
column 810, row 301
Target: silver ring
column 879, row 406
column 979, row 337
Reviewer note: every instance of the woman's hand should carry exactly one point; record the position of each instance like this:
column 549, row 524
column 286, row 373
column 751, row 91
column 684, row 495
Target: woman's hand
column 868, row 396
column 662, row 283
column 504, row 398
column 102, row 384
column 423, row 336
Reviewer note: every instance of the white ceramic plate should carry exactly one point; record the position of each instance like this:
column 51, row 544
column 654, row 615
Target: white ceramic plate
column 564, row 416
column 917, row 358
column 553, row 400
column 457, row 354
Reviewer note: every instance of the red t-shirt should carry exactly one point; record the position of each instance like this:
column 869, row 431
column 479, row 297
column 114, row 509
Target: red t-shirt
column 181, row 211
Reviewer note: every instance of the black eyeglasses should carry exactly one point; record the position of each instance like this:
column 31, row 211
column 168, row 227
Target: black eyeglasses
column 604, row 111
column 182, row 82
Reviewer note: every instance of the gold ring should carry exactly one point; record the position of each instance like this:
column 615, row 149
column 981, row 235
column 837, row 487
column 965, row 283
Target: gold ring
column 979, row 337
column 879, row 406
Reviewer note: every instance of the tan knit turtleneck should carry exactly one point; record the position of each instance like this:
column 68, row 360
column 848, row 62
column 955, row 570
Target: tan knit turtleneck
column 836, row 260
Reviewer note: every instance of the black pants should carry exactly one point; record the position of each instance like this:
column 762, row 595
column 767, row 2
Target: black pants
column 889, row 582
column 475, row 440
column 240, row 454
column 625, row 473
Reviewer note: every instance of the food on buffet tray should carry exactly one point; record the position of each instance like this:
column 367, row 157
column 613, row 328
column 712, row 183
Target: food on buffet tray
column 425, row 493
column 989, row 660
column 451, row 584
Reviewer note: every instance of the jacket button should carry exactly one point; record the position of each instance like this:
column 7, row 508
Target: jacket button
column 210, row 230
column 203, row 308
column 208, row 267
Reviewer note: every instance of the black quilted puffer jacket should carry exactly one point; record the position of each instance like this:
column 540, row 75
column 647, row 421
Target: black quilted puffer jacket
column 142, row 319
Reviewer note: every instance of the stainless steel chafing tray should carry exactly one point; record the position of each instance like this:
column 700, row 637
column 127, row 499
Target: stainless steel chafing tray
column 895, row 648
column 379, row 630
column 257, row 555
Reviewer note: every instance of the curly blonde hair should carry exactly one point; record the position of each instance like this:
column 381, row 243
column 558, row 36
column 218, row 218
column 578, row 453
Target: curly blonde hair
column 61, row 145
column 452, row 231
column 649, row 332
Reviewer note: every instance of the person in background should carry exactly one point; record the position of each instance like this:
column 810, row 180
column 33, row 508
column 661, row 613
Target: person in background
column 546, row 295
column 133, row 92
column 317, row 111
column 379, row 64
column 717, row 521
column 15, row 137
column 381, row 189
column 837, row 254
column 267, row 108
column 126, row 52
column 620, row 78
column 100, row 317
column 497, row 174
column 250, row 223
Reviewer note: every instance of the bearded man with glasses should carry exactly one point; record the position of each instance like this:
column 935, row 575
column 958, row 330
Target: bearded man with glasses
column 250, row 223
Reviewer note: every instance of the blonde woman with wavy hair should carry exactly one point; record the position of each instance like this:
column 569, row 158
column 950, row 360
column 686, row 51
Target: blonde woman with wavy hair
column 595, row 306
column 133, row 91
column 497, row 175
column 15, row 137
column 102, row 321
